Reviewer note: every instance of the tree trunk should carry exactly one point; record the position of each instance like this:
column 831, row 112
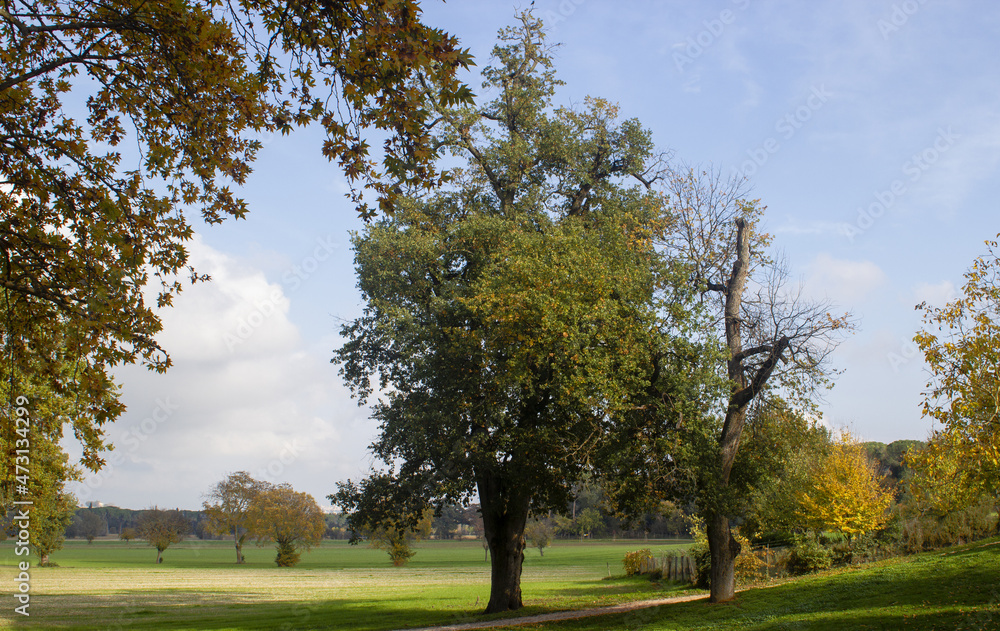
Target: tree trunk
column 504, row 519
column 159, row 555
column 43, row 559
column 239, row 547
column 724, row 549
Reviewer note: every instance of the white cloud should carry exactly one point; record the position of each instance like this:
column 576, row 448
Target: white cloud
column 237, row 314
column 811, row 227
column 266, row 404
column 845, row 282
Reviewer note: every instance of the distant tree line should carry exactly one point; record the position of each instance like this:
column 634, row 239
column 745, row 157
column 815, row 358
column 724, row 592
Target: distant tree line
column 457, row 522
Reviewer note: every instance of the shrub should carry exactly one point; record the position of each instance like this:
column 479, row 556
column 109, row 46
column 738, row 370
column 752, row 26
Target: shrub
column 748, row 564
column 637, row 561
column 779, row 563
column 842, row 553
column 808, row 555
column 928, row 532
column 702, row 557
column 287, row 555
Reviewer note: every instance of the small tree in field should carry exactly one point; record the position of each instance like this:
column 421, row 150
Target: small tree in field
column 48, row 529
column 90, row 525
column 128, row 534
column 290, row 519
column 394, row 536
column 539, row 534
column 228, row 507
column 397, row 542
column 588, row 520
column 162, row 528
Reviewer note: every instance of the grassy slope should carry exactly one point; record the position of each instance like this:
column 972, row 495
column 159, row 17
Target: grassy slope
column 952, row 589
column 116, row 585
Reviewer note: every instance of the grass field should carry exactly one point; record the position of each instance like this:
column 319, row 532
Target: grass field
column 111, row 585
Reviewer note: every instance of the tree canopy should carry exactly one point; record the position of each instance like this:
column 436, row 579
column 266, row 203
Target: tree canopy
column 118, row 120
column 161, row 528
column 228, row 507
column 962, row 459
column 290, row 519
column 844, row 492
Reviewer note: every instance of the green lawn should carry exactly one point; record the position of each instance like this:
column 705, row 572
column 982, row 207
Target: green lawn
column 950, row 589
column 110, row 584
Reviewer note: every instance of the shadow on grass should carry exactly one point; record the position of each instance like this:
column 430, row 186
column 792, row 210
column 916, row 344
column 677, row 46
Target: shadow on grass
column 188, row 609
column 621, row 585
column 178, row 609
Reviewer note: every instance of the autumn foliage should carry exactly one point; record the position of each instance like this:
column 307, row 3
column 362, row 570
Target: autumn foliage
column 961, row 462
column 290, row 519
column 119, row 120
column 844, row 493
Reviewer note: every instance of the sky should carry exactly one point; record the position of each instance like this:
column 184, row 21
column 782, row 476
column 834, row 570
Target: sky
column 869, row 128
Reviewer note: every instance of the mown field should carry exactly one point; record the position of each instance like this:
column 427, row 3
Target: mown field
column 111, row 585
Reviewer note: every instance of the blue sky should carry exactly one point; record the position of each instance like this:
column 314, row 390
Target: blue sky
column 870, row 129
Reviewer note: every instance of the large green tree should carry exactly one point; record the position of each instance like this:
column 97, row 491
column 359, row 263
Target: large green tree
column 507, row 314
column 780, row 449
column 86, row 225
column 40, row 468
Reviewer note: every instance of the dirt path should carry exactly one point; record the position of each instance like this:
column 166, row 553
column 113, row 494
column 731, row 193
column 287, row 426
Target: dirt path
column 565, row 615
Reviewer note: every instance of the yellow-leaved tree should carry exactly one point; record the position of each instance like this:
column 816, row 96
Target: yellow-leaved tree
column 290, row 519
column 961, row 463
column 844, row 492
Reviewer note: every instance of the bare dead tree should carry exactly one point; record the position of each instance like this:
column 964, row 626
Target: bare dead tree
column 774, row 335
